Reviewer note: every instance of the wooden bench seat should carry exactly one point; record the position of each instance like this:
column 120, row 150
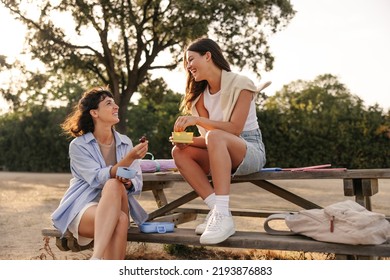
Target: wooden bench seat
column 243, row 239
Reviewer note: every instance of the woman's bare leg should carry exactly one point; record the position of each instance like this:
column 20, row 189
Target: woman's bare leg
column 193, row 164
column 105, row 219
column 116, row 249
column 226, row 152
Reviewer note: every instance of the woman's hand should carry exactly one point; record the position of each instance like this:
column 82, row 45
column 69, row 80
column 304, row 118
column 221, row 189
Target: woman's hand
column 125, row 181
column 181, row 146
column 183, row 122
column 139, row 151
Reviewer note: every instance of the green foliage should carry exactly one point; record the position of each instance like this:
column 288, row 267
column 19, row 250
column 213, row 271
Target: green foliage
column 309, row 123
column 32, row 141
column 306, row 123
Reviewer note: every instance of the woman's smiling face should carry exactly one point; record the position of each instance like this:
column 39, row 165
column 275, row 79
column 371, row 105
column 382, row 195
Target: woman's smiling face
column 107, row 111
column 195, row 64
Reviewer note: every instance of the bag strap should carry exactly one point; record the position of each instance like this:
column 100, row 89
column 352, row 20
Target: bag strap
column 151, row 155
column 278, row 216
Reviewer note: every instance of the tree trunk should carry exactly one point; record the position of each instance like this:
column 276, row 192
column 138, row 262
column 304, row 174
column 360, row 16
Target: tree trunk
column 121, row 126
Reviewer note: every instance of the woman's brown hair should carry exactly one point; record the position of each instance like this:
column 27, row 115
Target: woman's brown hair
column 80, row 121
column 193, row 88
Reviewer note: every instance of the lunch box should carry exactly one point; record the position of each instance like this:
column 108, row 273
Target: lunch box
column 157, row 227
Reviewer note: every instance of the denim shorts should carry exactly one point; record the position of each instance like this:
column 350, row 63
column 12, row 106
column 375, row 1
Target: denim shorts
column 255, row 158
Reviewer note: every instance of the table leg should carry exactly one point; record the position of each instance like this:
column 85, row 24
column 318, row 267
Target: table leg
column 362, row 189
column 173, row 205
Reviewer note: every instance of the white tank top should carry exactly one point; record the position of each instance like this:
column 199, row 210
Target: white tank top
column 212, row 103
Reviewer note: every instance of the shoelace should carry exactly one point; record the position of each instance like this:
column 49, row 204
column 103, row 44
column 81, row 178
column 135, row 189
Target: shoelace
column 215, row 223
column 208, row 216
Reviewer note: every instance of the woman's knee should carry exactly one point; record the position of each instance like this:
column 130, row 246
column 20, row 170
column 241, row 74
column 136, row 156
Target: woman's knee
column 123, row 221
column 175, row 152
column 214, row 137
column 179, row 155
column 113, row 187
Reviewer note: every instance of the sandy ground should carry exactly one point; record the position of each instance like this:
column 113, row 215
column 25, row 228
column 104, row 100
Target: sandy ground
column 28, row 199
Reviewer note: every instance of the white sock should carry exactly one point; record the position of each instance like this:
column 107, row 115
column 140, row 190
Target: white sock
column 222, row 204
column 210, row 201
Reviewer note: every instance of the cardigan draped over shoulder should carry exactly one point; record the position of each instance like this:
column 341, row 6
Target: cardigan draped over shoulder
column 231, row 86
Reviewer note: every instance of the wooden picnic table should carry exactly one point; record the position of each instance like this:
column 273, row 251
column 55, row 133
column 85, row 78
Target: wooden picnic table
column 360, row 183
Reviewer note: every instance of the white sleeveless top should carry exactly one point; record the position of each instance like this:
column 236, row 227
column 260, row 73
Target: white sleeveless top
column 212, row 103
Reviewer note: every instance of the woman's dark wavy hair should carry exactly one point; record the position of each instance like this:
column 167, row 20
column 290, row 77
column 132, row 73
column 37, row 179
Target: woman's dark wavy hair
column 80, row 121
column 193, row 88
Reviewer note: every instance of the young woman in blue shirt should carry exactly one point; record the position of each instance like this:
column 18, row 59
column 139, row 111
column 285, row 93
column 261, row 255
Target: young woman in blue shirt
column 97, row 204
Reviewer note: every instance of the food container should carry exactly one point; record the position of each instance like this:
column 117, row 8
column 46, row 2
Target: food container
column 182, row 137
column 157, row 227
column 125, row 172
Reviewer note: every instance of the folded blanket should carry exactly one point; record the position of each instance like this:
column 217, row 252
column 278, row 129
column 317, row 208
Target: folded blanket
column 157, row 165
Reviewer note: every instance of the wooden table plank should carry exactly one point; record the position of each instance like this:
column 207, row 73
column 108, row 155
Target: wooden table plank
column 285, row 175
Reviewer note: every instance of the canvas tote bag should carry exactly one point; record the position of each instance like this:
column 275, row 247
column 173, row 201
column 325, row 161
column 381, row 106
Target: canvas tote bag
column 344, row 222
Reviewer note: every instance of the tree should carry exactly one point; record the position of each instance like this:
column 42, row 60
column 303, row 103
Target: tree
column 118, row 43
column 309, row 123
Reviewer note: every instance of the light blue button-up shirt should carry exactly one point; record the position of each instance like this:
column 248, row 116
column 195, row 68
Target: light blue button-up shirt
column 90, row 173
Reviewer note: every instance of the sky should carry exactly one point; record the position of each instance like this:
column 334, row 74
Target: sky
column 349, row 39
column 346, row 38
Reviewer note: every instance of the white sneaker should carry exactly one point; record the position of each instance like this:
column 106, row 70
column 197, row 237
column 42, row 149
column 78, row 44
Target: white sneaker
column 218, row 229
column 201, row 227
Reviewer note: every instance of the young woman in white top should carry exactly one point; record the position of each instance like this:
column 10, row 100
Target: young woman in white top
column 221, row 104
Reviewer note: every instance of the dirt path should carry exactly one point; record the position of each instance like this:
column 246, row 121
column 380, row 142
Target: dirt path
column 28, row 199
